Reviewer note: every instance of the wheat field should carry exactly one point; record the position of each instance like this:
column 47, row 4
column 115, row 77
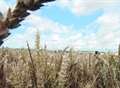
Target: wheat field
column 27, row 68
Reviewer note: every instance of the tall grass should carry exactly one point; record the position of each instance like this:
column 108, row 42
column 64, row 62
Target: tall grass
column 27, row 68
column 119, row 50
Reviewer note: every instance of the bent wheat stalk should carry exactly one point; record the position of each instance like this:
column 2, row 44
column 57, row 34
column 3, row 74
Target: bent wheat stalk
column 14, row 16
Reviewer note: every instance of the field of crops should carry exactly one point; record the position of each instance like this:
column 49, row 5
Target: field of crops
column 25, row 68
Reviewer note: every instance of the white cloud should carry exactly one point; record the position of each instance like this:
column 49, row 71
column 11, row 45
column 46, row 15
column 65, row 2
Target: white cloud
column 83, row 7
column 106, row 36
column 44, row 25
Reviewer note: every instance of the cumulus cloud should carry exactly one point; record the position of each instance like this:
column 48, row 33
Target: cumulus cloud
column 83, row 7
column 44, row 25
column 57, row 36
column 107, row 36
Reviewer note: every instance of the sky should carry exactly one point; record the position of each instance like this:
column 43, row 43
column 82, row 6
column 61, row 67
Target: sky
column 79, row 24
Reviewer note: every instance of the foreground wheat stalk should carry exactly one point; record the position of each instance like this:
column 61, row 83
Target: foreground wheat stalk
column 32, row 69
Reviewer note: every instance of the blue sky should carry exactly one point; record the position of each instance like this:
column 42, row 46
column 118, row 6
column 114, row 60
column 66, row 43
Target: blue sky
column 82, row 25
